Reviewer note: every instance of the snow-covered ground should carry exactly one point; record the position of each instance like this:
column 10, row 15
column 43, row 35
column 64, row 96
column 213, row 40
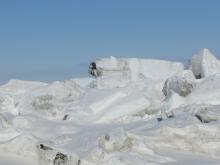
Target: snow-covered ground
column 116, row 118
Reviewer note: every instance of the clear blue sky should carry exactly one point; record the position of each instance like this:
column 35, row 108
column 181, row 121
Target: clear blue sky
column 55, row 39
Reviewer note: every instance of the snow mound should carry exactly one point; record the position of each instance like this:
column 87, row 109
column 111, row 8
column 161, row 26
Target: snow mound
column 204, row 64
column 117, row 140
column 121, row 148
column 182, row 83
column 51, row 100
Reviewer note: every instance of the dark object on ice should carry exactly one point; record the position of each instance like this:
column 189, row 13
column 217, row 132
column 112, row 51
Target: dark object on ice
column 205, row 118
column 107, row 137
column 60, row 159
column 201, row 119
column 43, row 147
column 171, row 115
column 159, row 119
column 65, row 117
column 208, row 115
column 92, row 65
column 94, row 71
column 79, row 162
column 198, row 76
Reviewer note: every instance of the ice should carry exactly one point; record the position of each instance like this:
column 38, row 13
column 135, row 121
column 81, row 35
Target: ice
column 112, row 119
column 119, row 72
column 204, row 64
column 138, row 68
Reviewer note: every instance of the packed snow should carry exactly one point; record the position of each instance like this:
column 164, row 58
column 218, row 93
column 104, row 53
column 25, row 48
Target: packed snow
column 138, row 111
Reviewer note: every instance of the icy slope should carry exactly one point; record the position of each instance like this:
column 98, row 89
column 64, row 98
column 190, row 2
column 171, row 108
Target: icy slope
column 93, row 122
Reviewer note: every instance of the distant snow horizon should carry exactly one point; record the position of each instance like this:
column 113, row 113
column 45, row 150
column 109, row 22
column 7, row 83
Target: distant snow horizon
column 46, row 75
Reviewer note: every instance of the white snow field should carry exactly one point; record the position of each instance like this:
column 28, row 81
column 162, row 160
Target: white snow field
column 116, row 118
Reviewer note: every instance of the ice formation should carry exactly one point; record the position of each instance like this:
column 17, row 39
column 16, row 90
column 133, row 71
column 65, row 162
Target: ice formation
column 181, row 83
column 112, row 120
column 119, row 72
column 204, row 64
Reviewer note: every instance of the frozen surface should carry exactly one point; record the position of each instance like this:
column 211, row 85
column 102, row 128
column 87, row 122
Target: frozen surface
column 88, row 121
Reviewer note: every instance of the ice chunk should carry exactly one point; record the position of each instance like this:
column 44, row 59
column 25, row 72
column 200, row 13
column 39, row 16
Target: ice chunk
column 119, row 72
column 204, row 64
column 182, row 83
column 208, row 114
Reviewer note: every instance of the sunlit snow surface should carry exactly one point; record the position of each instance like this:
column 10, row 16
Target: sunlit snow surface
column 113, row 120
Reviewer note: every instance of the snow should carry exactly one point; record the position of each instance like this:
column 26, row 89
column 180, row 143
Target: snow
column 112, row 120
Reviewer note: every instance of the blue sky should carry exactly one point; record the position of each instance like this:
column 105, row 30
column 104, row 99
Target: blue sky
column 50, row 40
